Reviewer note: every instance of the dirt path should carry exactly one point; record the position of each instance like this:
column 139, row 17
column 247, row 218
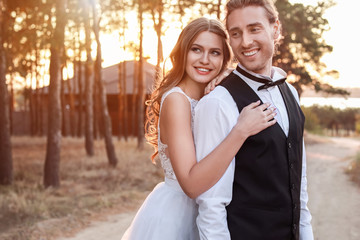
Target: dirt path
column 112, row 229
column 334, row 200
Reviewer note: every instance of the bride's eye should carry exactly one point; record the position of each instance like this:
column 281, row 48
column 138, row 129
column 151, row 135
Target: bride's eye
column 195, row 49
column 216, row 53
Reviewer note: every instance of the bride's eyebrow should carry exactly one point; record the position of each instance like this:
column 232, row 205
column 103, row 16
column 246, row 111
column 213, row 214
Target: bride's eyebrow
column 200, row 46
column 196, row 45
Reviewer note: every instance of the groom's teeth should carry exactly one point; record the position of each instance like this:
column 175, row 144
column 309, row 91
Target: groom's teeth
column 250, row 53
column 203, row 69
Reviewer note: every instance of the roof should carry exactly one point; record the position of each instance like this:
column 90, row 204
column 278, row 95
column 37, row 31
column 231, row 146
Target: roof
column 110, row 78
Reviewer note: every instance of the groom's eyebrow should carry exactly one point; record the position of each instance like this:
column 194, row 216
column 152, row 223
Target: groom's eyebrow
column 255, row 24
column 234, row 29
column 249, row 26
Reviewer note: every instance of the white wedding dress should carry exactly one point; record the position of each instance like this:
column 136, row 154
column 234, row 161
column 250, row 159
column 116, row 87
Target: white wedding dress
column 167, row 213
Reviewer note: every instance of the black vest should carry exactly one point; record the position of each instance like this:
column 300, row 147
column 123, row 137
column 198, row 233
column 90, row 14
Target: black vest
column 266, row 189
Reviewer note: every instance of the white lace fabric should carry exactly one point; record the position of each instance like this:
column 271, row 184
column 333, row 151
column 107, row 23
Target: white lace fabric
column 164, row 158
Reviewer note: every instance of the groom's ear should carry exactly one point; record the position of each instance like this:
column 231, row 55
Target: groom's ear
column 276, row 29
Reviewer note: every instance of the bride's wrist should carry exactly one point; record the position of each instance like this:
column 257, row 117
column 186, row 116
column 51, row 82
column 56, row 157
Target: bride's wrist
column 240, row 131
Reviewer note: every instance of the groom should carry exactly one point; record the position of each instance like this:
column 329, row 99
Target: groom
column 263, row 193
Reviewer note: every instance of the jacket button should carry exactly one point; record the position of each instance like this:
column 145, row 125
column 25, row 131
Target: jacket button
column 292, row 186
column 291, row 165
column 294, row 226
column 295, row 206
column 289, row 145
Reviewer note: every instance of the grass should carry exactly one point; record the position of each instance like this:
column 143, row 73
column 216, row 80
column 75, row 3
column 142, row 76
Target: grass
column 354, row 169
column 89, row 187
column 89, row 190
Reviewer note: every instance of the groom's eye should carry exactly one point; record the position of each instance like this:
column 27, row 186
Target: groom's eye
column 255, row 29
column 235, row 34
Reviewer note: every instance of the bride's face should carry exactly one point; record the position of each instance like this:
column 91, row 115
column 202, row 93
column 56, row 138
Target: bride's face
column 205, row 58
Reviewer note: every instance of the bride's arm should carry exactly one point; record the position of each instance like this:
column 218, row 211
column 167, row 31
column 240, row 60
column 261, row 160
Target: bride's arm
column 175, row 124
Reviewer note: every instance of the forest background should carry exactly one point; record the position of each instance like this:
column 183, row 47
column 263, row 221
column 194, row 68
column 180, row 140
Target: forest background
column 71, row 163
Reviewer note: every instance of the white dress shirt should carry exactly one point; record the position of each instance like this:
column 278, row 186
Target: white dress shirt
column 215, row 116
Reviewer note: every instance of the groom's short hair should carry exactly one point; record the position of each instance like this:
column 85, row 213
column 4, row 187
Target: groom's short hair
column 268, row 5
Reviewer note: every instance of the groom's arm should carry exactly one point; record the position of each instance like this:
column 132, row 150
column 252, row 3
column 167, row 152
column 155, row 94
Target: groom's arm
column 306, row 232
column 213, row 121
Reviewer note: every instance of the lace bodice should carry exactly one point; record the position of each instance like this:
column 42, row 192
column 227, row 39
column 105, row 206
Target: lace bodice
column 164, row 159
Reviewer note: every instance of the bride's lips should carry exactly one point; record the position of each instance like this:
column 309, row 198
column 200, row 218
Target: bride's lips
column 202, row 70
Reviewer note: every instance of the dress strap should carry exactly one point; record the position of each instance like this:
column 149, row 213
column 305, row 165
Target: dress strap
column 174, row 89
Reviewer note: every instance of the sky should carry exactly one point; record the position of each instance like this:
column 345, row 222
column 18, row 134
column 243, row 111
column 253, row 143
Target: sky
column 344, row 36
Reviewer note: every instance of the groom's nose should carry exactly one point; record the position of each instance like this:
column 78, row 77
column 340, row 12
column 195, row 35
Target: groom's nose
column 247, row 39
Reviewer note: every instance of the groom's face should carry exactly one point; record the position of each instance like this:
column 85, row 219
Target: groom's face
column 252, row 38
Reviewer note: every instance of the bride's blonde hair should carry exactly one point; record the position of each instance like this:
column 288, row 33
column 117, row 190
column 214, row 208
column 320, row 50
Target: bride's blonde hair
column 178, row 59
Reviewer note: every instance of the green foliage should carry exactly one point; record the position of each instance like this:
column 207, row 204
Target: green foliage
column 333, row 119
column 357, row 127
column 31, row 23
column 312, row 123
column 302, row 46
column 354, row 169
column 29, row 30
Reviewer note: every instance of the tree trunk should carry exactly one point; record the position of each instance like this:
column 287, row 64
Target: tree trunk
column 218, row 10
column 37, row 97
column 32, row 99
column 98, row 130
column 141, row 96
column 89, row 85
column 34, row 103
column 63, row 104
column 110, row 150
column 158, row 23
column 79, row 65
column 31, row 108
column 125, row 104
column 39, row 92
column 134, row 98
column 11, row 105
column 72, row 123
column 123, row 94
column 120, row 100
column 52, row 162
column 80, row 99
column 123, row 115
column 41, row 110
column 6, row 167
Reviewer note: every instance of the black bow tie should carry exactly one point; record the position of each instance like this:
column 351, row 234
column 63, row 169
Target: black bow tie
column 267, row 83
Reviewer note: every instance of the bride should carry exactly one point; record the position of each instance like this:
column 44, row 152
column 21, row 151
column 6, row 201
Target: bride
column 169, row 212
